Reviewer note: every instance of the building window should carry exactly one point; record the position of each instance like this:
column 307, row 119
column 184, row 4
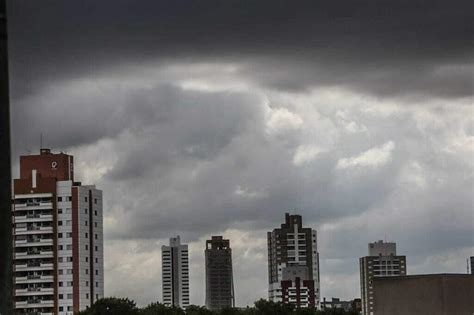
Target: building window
column 60, row 247
column 95, row 200
column 85, row 211
column 97, row 272
column 60, row 296
column 87, row 247
column 60, row 235
column 96, row 248
column 60, row 223
column 60, row 199
column 86, row 223
column 87, row 259
column 69, row 198
column 85, row 199
column 95, row 224
column 95, row 212
column 60, row 211
column 96, row 236
column 87, row 235
column 87, row 271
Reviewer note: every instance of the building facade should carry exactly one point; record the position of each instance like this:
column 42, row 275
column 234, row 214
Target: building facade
column 175, row 273
column 219, row 275
column 381, row 261
column 433, row 294
column 58, row 238
column 471, row 259
column 293, row 264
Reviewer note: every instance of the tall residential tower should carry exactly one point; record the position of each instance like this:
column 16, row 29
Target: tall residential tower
column 293, row 264
column 175, row 273
column 219, row 278
column 382, row 261
column 58, row 243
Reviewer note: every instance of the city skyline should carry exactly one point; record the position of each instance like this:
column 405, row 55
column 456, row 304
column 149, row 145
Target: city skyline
column 217, row 118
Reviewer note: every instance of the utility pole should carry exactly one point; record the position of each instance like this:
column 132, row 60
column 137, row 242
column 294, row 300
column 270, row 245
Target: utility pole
column 6, row 303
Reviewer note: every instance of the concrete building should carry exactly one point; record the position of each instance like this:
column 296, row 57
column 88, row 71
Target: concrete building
column 293, row 264
column 382, row 261
column 472, row 264
column 175, row 273
column 437, row 294
column 5, row 172
column 336, row 303
column 58, row 242
column 219, row 277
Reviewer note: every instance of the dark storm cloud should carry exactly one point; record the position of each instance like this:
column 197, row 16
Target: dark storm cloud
column 382, row 47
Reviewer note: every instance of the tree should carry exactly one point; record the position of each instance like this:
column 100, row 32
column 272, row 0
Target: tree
column 112, row 306
column 264, row 307
column 161, row 309
column 198, row 310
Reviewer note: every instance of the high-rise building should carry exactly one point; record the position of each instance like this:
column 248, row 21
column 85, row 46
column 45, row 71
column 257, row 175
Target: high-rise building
column 219, row 278
column 293, row 264
column 175, row 273
column 5, row 172
column 381, row 261
column 58, row 239
column 472, row 265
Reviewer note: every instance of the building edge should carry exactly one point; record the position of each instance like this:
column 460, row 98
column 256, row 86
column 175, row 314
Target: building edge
column 5, row 172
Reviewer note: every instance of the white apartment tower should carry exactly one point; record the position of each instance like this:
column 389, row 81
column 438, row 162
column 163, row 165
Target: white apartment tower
column 58, row 238
column 382, row 261
column 293, row 264
column 175, row 273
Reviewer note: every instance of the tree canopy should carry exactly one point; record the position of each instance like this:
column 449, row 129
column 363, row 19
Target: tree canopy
column 125, row 306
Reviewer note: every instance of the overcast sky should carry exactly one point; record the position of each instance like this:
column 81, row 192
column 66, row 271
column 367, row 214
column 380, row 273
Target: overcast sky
column 216, row 117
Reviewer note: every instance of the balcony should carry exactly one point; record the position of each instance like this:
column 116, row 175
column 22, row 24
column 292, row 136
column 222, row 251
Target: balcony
column 19, row 267
column 33, row 206
column 33, row 218
column 34, row 230
column 33, row 279
column 34, row 255
column 36, row 242
column 34, row 303
column 34, row 291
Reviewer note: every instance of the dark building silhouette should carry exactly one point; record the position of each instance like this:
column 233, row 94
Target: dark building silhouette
column 219, row 279
column 5, row 173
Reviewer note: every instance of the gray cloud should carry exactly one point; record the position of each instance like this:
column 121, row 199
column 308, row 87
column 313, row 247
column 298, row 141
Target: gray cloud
column 387, row 48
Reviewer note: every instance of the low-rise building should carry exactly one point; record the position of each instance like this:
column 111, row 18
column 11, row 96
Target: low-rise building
column 434, row 294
